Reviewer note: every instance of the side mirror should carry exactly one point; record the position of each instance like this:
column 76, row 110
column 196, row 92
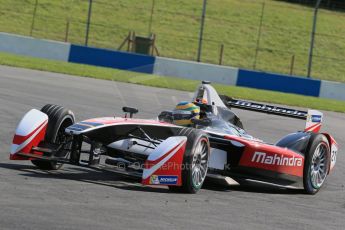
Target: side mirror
column 129, row 110
column 166, row 116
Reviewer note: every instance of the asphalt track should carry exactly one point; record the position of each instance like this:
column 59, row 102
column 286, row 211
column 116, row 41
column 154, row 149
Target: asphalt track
column 79, row 198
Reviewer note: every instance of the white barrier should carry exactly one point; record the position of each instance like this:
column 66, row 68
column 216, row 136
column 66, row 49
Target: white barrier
column 40, row 48
column 334, row 90
column 196, row 71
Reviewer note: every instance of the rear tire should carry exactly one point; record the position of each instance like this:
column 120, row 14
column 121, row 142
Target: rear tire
column 317, row 163
column 195, row 161
column 59, row 119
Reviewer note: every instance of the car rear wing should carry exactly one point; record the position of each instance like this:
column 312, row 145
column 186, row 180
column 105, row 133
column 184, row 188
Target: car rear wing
column 313, row 117
column 270, row 109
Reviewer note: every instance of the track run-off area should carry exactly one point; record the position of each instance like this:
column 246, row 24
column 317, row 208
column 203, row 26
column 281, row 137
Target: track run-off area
column 80, row 198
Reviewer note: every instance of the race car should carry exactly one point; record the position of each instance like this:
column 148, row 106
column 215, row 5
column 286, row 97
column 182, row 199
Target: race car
column 159, row 152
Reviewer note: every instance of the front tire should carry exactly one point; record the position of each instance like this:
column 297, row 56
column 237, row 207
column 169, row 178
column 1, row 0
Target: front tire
column 317, row 162
column 195, row 161
column 59, row 119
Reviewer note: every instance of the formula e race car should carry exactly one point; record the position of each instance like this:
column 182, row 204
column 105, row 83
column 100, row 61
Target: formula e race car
column 157, row 152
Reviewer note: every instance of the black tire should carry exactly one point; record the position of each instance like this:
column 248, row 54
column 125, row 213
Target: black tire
column 59, row 119
column 316, row 168
column 194, row 138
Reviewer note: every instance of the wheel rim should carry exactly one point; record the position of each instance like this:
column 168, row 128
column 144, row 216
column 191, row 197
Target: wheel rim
column 60, row 139
column 200, row 163
column 318, row 167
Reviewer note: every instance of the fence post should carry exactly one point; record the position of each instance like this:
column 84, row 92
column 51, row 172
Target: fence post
column 129, row 40
column 67, row 30
column 151, row 17
column 312, row 39
column 221, row 54
column 201, row 30
column 33, row 18
column 259, row 35
column 88, row 23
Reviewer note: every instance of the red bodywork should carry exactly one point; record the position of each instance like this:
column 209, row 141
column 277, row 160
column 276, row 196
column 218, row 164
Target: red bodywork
column 173, row 167
column 37, row 138
column 269, row 157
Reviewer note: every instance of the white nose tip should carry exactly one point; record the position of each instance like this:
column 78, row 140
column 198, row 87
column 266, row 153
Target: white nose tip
column 14, row 149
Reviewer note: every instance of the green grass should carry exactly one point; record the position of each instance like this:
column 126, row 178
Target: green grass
column 235, row 23
column 169, row 82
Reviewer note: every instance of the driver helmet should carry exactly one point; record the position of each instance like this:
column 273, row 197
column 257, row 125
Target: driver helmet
column 185, row 112
column 202, row 103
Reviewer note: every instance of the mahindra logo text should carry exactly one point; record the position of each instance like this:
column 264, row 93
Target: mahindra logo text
column 263, row 158
column 270, row 108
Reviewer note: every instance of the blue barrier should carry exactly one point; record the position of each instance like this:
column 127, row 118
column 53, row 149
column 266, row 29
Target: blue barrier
column 276, row 82
column 112, row 59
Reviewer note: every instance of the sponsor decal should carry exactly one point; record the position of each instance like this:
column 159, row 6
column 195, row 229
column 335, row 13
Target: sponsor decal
column 270, row 108
column 316, row 118
column 263, row 158
column 164, row 180
column 91, row 124
column 78, row 127
column 154, row 179
column 334, row 155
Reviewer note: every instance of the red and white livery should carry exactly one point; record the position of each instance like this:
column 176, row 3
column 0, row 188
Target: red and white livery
column 157, row 152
